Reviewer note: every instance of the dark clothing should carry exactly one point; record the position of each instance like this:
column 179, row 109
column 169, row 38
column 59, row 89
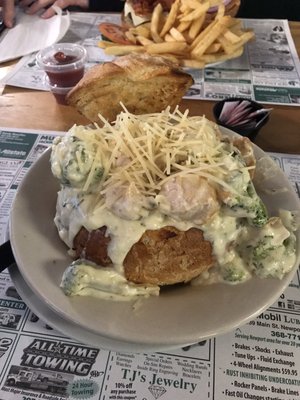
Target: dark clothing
column 106, row 5
column 273, row 9
column 276, row 9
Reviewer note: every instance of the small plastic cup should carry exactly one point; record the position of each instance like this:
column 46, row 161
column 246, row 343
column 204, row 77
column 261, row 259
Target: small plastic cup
column 251, row 133
column 60, row 93
column 63, row 63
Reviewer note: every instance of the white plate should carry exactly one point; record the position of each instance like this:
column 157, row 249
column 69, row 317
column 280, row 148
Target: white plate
column 180, row 315
column 72, row 330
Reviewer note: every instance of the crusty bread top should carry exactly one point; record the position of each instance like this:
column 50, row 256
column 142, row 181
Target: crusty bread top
column 144, row 66
column 143, row 83
column 167, row 256
column 161, row 257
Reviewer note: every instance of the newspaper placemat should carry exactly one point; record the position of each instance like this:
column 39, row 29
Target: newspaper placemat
column 258, row 361
column 268, row 71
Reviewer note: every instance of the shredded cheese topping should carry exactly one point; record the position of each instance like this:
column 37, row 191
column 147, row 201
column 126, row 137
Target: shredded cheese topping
column 146, row 150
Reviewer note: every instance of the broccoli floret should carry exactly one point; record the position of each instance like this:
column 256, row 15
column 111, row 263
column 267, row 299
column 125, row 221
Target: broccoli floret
column 82, row 279
column 269, row 259
column 261, row 214
column 250, row 206
column 233, row 274
column 255, row 211
column 73, row 280
column 236, row 270
column 72, row 161
column 264, row 260
column 262, row 250
column 243, row 201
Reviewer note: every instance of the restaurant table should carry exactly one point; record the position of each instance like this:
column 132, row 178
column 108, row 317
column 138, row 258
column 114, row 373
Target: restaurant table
column 31, row 109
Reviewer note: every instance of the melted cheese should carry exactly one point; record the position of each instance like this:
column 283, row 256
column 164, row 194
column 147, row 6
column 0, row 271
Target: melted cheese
column 73, row 213
column 154, row 147
column 136, row 19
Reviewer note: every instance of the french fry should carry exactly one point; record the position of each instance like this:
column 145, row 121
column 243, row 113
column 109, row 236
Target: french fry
column 183, row 26
column 226, row 45
column 141, row 30
column 188, row 35
column 231, row 48
column 214, row 58
column 103, row 44
column 172, row 57
column 207, row 40
column 143, row 40
column 200, row 10
column 237, row 27
column 184, row 8
column 192, row 3
column 196, row 26
column 203, row 34
column 231, row 37
column 171, row 18
column 213, row 48
column 177, row 35
column 169, row 38
column 130, row 36
column 120, row 50
column 221, row 11
column 244, row 38
column 155, row 23
column 166, row 47
column 189, row 63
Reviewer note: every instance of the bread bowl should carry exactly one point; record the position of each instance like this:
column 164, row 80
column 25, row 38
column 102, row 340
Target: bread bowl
column 160, row 199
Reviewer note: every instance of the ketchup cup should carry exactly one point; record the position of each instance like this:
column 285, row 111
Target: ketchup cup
column 63, row 63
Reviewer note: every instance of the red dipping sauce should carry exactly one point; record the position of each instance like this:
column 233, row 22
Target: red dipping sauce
column 60, row 94
column 63, row 63
column 61, row 58
column 60, row 98
column 65, row 77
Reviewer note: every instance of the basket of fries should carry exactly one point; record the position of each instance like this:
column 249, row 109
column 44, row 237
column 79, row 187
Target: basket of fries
column 194, row 33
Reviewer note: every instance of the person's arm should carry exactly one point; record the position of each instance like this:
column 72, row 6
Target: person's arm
column 8, row 12
column 36, row 6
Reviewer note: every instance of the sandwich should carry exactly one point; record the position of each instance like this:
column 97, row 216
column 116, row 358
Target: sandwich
column 160, row 199
column 137, row 12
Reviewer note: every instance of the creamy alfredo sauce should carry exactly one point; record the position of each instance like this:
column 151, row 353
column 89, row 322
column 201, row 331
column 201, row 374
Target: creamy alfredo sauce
column 233, row 246
column 244, row 240
column 73, row 213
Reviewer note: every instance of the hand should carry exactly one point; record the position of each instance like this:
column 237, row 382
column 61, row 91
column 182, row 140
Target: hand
column 8, row 12
column 32, row 6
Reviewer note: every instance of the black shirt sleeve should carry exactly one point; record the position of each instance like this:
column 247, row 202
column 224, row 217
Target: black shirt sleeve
column 106, row 5
column 276, row 9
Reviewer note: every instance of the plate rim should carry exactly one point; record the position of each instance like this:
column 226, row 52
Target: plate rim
column 73, row 331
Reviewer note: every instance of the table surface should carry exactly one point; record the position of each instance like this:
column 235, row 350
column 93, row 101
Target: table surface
column 31, row 109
